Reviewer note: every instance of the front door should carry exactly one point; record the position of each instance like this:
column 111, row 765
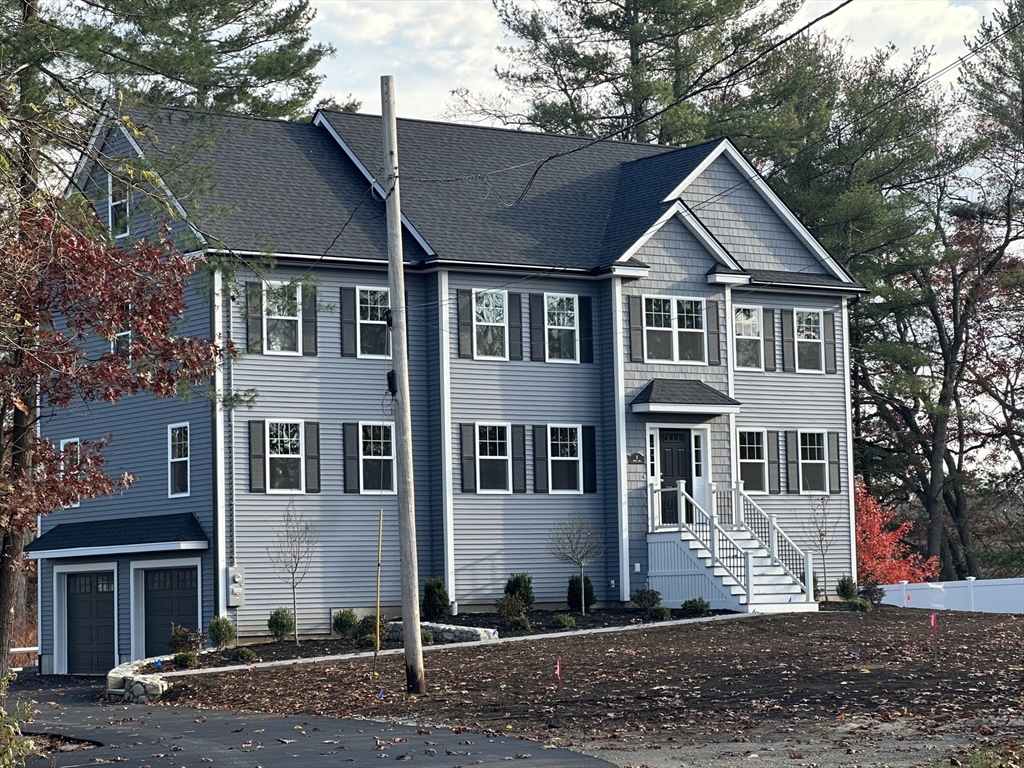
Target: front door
column 172, row 597
column 90, row 614
column 676, row 469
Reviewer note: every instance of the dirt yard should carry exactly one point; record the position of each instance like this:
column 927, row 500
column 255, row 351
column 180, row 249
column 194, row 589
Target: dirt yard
column 837, row 689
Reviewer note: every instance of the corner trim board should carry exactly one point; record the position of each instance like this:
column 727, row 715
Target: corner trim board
column 621, row 469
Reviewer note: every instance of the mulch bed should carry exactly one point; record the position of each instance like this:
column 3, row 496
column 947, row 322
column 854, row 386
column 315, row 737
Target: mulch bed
column 714, row 677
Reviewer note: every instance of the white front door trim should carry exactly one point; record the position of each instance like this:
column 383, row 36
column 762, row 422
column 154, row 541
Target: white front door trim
column 699, row 486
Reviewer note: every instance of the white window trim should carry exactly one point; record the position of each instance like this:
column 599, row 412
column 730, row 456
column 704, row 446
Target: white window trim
column 110, row 208
column 579, row 460
column 821, row 341
column 301, row 457
column 60, row 611
column 508, row 457
column 675, row 328
column 298, row 319
column 477, row 356
column 359, row 322
column 764, row 462
column 394, row 460
column 576, row 328
column 137, row 596
column 800, row 460
column 171, row 461
column 63, row 444
column 760, row 338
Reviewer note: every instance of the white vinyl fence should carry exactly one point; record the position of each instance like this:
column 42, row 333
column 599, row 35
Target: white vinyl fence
column 984, row 595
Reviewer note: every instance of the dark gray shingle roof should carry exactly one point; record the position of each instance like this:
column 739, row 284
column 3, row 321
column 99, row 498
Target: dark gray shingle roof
column 774, row 277
column 152, row 529
column 682, row 392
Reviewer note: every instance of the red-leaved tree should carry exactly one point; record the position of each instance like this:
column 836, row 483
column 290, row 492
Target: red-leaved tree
column 883, row 556
column 62, row 289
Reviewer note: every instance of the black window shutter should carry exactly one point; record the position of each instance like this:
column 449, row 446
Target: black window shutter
column 308, row 321
column 792, row 463
column 636, row 330
column 829, row 321
column 788, row 342
column 834, row 482
column 538, row 344
column 518, row 458
column 589, row 460
column 540, row 459
column 774, row 475
column 254, row 317
column 257, row 455
column 515, row 326
column 468, row 458
column 586, row 330
column 714, row 334
column 350, row 451
column 465, row 320
column 348, row 325
column 768, row 329
column 311, row 437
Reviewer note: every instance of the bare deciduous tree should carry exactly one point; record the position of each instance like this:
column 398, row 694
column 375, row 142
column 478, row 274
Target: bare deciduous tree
column 577, row 541
column 291, row 554
column 823, row 530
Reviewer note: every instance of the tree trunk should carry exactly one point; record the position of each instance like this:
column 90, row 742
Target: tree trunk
column 583, row 594
column 295, row 611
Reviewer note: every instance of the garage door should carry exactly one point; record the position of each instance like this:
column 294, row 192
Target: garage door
column 90, row 605
column 172, row 597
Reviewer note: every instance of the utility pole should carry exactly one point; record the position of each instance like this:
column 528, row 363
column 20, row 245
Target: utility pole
column 414, row 677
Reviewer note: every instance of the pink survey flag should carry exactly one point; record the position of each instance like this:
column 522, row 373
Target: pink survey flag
column 558, row 672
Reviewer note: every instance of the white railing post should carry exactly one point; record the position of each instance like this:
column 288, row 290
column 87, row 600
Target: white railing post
column 713, row 497
column 737, row 503
column 773, row 537
column 748, row 566
column 652, row 513
column 903, row 587
column 809, row 576
column 680, row 504
column 970, row 593
column 713, row 535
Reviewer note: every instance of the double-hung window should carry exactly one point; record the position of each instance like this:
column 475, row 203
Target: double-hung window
column 561, row 327
column 490, row 324
column 374, row 335
column 177, row 460
column 564, row 457
column 813, row 463
column 121, row 343
column 753, row 461
column 674, row 329
column 285, row 470
column 376, row 457
column 748, row 334
column 493, row 458
column 282, row 318
column 809, row 341
column 118, row 197
column 72, row 457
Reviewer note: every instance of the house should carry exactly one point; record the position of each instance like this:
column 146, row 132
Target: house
column 642, row 336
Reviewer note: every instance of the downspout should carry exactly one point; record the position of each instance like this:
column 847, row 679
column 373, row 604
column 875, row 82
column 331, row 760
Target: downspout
column 621, row 467
column 219, row 500
column 730, row 369
column 447, row 475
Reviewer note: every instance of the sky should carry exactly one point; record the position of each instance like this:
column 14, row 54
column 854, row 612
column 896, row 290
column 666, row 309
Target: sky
column 434, row 46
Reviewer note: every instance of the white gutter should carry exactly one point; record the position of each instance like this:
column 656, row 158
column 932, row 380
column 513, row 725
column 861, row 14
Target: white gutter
column 621, row 470
column 447, row 478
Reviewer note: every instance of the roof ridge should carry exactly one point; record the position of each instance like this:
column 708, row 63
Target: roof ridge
column 208, row 113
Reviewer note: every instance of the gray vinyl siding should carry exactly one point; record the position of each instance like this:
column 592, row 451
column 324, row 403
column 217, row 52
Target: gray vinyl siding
column 496, row 535
column 791, row 401
column 741, row 220
column 331, row 390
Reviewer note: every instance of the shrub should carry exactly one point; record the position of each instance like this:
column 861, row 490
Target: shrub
column 519, row 623
column 13, row 746
column 186, row 660
column 367, row 641
column 698, row 606
column 573, row 593
column 243, row 654
column 860, row 604
column 344, row 622
column 563, row 621
column 510, row 607
column 521, row 584
column 372, row 625
column 645, row 599
column 846, row 588
column 426, row 637
column 185, row 640
column 281, row 623
column 819, row 593
column 221, row 631
column 659, row 613
column 436, row 605
column 872, row 592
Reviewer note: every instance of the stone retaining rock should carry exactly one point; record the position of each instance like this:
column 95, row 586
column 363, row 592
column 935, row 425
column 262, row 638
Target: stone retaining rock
column 446, row 633
column 123, row 685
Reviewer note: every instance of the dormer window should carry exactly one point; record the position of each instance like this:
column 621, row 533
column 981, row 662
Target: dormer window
column 118, row 196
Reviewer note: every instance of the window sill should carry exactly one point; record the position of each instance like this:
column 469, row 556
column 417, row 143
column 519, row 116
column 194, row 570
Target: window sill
column 284, row 491
column 492, row 492
column 179, row 495
column 378, row 493
column 492, row 359
column 282, row 353
column 373, row 357
column 553, row 492
column 557, row 360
